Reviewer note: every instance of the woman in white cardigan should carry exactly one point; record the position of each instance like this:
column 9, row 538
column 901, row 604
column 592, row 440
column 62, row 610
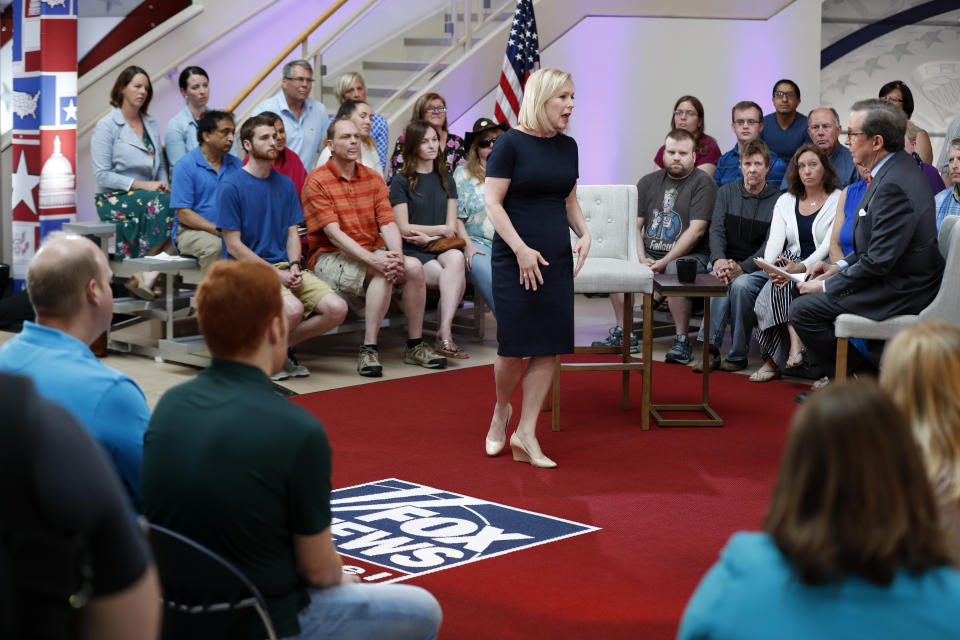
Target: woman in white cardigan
column 799, row 237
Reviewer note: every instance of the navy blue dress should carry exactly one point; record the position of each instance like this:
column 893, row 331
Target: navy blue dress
column 542, row 173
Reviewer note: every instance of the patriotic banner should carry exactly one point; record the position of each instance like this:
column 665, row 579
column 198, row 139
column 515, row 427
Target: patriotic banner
column 44, row 123
column 521, row 59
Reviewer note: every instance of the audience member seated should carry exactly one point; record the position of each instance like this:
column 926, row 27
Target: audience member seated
column 948, row 200
column 943, row 160
column 472, row 222
column 747, row 125
column 287, row 162
column 785, row 130
column 424, row 200
column 898, row 94
column 799, row 238
column 823, row 126
column 75, row 564
column 688, row 114
column 258, row 212
column 360, row 112
column 194, row 190
column 738, row 231
column 69, row 285
column 929, row 171
column 432, row 108
column 304, row 119
column 928, row 356
column 355, row 245
column 131, row 175
column 675, row 205
column 851, row 545
column 248, row 476
column 351, row 86
column 182, row 136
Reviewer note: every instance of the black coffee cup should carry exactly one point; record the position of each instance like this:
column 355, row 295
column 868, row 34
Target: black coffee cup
column 686, row 270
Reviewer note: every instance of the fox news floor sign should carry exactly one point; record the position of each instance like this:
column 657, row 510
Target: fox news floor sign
column 392, row 530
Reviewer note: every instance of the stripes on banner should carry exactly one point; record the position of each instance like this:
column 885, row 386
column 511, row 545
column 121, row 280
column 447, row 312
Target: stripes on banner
column 520, row 60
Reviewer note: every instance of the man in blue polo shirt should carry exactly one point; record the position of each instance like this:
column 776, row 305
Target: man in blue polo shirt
column 823, row 125
column 747, row 125
column 69, row 285
column 194, row 190
column 785, row 130
column 304, row 118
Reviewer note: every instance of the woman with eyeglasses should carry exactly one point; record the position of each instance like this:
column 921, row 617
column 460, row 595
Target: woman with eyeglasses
column 432, row 108
column 688, row 115
column 472, row 222
column 897, row 93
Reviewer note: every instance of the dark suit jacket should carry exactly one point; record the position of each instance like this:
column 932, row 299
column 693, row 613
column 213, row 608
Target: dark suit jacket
column 895, row 267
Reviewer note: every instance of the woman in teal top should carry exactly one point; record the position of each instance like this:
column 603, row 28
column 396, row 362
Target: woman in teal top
column 472, row 223
column 852, row 545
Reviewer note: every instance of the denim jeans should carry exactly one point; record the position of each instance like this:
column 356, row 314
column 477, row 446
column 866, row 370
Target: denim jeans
column 737, row 309
column 481, row 275
column 355, row 611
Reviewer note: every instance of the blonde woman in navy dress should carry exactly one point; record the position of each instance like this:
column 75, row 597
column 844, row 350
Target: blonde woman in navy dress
column 531, row 199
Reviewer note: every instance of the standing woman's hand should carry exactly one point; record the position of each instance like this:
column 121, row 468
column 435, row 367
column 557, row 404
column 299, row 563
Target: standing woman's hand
column 529, row 261
column 581, row 248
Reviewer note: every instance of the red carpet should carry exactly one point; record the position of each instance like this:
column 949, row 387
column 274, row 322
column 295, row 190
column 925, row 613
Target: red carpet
column 665, row 500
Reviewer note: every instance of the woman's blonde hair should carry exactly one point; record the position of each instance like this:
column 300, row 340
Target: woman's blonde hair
column 344, row 82
column 542, row 85
column 921, row 373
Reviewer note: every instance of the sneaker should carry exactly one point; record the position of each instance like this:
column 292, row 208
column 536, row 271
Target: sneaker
column 714, row 362
column 424, row 356
column 368, row 364
column 615, row 339
column 291, row 368
column 681, row 352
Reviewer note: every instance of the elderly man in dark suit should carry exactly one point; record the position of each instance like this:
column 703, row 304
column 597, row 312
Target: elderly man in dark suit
column 895, row 267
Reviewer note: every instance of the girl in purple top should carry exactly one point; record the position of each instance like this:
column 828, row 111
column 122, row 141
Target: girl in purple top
column 688, row 114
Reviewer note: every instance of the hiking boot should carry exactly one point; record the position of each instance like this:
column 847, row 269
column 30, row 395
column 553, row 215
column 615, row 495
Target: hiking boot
column 424, row 356
column 368, row 363
column 681, row 352
column 291, row 368
column 714, row 362
column 615, row 339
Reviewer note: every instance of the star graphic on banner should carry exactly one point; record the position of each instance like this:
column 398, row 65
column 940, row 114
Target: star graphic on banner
column 871, row 65
column 70, row 111
column 931, row 37
column 843, row 82
column 23, row 184
column 901, row 50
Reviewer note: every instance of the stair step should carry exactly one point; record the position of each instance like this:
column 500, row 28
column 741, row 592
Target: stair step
column 377, row 92
column 401, row 65
column 431, row 42
column 500, row 17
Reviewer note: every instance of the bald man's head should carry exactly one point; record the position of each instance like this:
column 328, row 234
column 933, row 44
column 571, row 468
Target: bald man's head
column 60, row 272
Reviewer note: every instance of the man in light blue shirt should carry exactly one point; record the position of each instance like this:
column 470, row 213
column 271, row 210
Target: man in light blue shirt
column 194, row 190
column 69, row 285
column 304, row 119
column 747, row 124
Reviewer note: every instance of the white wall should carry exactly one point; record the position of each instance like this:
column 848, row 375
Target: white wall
column 629, row 70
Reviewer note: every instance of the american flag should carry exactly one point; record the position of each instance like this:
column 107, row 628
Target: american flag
column 521, row 59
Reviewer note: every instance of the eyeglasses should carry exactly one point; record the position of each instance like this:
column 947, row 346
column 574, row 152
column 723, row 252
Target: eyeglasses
column 300, row 80
column 892, row 99
column 787, row 94
column 436, row 109
column 687, row 114
column 483, row 144
column 751, row 122
column 854, row 134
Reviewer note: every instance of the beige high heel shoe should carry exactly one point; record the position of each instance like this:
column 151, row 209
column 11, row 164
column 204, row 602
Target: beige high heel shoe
column 494, row 447
column 520, row 454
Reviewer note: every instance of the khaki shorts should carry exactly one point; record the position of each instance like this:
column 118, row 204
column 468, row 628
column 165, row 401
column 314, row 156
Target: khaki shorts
column 345, row 273
column 310, row 294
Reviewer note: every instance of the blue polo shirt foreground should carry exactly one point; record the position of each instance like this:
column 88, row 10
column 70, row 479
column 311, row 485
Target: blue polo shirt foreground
column 728, row 168
column 304, row 134
column 261, row 209
column 108, row 403
column 195, row 185
column 784, row 142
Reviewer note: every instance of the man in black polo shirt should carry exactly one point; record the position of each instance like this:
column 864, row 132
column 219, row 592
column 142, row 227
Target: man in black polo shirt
column 232, row 465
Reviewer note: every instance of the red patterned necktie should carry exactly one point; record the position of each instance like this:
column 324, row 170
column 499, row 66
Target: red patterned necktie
column 869, row 178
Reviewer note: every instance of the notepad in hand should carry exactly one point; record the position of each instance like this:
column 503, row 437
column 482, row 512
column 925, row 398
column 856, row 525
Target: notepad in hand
column 770, row 270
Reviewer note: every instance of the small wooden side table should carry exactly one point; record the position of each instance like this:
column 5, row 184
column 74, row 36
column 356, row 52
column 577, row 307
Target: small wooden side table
column 705, row 286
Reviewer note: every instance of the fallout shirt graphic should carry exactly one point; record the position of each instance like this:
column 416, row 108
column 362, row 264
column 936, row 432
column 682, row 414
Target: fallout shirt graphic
column 665, row 225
